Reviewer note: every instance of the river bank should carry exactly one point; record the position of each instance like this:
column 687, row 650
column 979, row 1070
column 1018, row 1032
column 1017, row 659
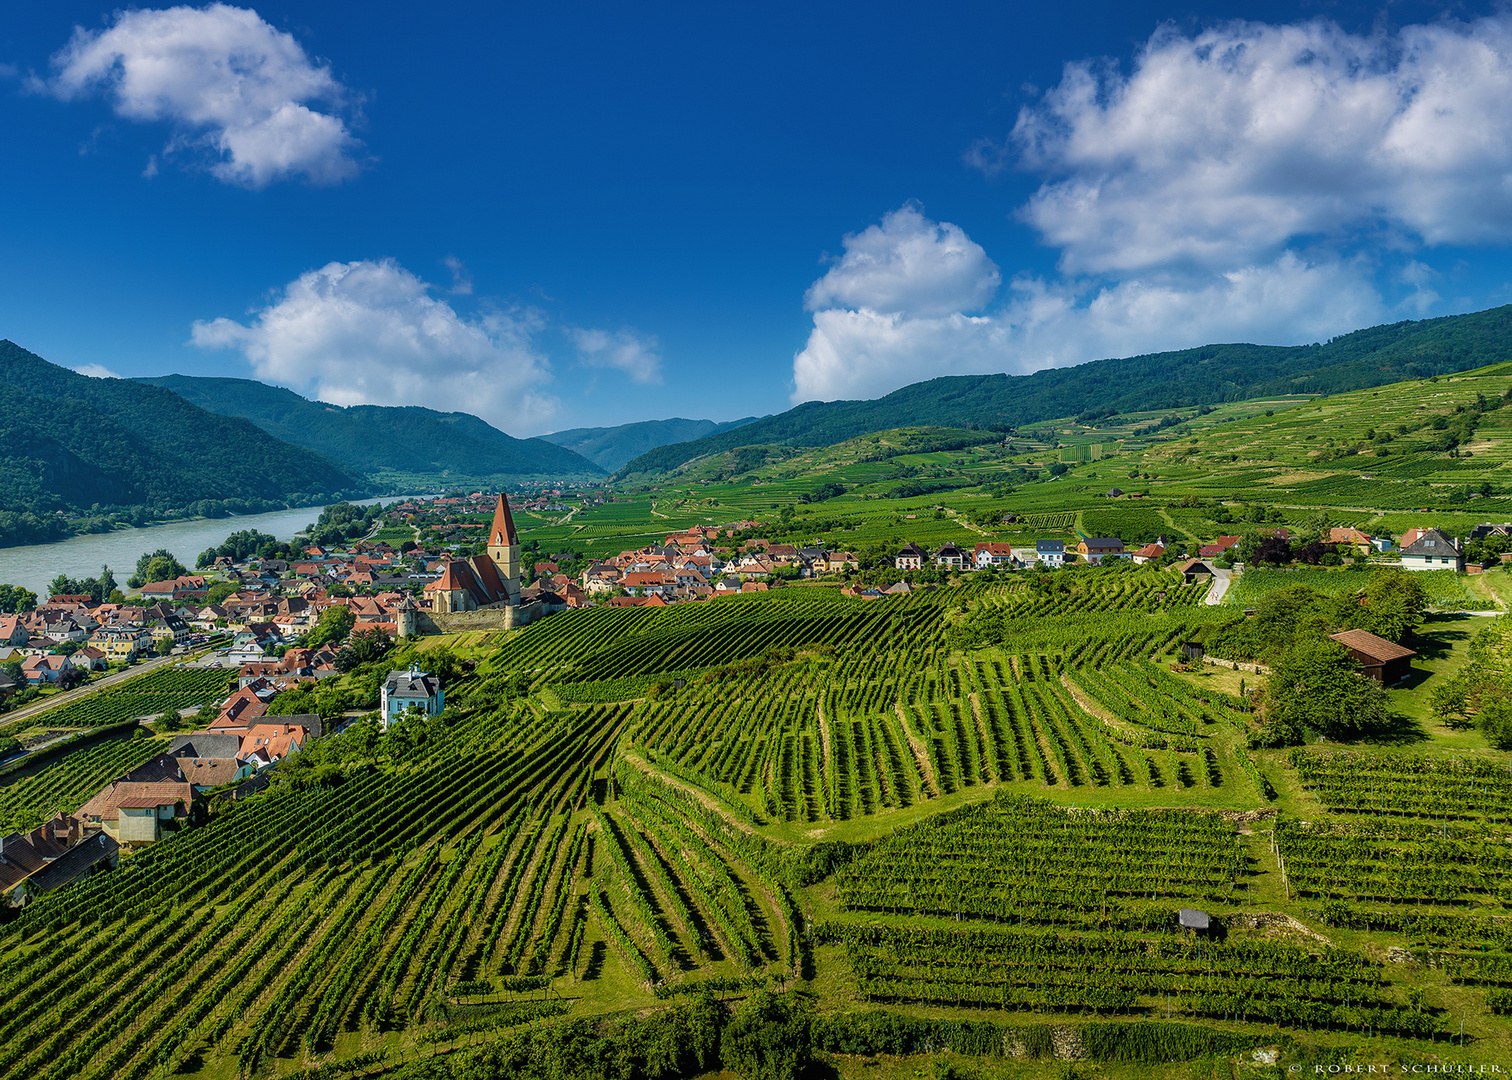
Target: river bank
column 32, row 566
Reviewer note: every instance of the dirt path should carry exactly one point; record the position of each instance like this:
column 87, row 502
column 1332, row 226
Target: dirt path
column 920, row 753
column 1089, row 706
column 703, row 798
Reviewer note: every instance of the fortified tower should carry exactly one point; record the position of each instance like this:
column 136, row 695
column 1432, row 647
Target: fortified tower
column 504, row 549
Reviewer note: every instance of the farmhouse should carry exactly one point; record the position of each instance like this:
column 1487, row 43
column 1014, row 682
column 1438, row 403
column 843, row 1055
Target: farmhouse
column 950, row 556
column 1432, row 550
column 1095, row 549
column 986, row 555
column 1384, row 661
column 911, row 557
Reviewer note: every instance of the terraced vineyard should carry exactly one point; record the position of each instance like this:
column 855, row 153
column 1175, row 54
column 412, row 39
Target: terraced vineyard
column 985, row 802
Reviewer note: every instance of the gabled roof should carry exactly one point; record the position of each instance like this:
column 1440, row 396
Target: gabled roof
column 1432, row 542
column 1377, row 648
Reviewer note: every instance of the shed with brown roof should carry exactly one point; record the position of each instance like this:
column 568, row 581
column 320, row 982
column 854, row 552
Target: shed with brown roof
column 1384, row 661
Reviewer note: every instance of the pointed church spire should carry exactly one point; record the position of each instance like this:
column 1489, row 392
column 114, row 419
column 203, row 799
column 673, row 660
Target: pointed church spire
column 502, row 532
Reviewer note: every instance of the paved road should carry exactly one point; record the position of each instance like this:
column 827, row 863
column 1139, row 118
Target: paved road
column 1221, row 579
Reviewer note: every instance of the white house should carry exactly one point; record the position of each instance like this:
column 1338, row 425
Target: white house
column 406, row 689
column 1433, row 550
column 993, row 555
column 1050, row 552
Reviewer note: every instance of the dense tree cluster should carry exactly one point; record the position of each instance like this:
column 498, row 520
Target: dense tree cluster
column 243, row 545
column 159, row 565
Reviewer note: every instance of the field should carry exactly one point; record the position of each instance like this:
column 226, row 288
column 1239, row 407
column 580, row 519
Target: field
column 964, row 817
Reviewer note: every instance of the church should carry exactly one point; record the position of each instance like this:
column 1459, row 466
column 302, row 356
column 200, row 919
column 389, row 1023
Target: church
column 489, row 582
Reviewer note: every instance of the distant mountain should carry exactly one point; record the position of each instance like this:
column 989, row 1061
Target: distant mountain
column 611, row 447
column 371, row 438
column 74, row 445
column 1169, row 380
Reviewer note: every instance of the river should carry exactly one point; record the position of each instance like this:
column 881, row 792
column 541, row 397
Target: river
column 34, row 565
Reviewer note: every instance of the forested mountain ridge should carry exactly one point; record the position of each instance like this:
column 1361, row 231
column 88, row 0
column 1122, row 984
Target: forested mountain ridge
column 76, row 446
column 372, row 438
column 1168, row 380
column 612, row 447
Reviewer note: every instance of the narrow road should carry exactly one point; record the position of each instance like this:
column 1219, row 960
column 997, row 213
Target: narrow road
column 1221, row 579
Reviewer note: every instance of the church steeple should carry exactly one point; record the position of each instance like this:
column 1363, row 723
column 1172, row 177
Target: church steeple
column 504, row 548
column 502, row 532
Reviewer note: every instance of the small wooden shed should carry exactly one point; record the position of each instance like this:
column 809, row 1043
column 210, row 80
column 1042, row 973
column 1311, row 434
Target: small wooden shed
column 1384, row 661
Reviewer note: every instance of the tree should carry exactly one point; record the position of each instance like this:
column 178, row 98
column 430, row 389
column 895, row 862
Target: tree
column 1274, row 549
column 769, row 1037
column 369, row 645
column 1392, row 605
column 170, row 721
column 159, row 565
column 163, row 646
column 71, row 677
column 335, row 624
column 14, row 599
column 1316, row 684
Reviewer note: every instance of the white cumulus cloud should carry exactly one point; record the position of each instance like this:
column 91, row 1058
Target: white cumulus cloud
column 908, row 263
column 1221, row 147
column 371, row 332
column 96, row 371
column 624, row 350
column 231, row 85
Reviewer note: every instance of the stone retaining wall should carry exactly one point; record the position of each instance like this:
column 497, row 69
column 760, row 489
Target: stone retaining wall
column 1234, row 665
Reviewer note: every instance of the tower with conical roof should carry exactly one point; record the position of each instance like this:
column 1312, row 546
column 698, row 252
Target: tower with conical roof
column 504, row 548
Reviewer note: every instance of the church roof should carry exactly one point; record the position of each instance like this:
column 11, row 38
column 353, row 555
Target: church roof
column 502, row 531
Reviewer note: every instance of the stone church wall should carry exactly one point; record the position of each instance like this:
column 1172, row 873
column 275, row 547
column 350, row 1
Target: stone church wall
column 463, row 622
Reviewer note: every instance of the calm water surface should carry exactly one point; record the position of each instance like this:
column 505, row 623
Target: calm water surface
column 34, row 565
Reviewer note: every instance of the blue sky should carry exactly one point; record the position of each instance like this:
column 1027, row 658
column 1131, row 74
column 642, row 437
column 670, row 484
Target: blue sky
column 556, row 217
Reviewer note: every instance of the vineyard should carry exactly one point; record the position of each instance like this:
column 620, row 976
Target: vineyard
column 69, row 782
column 145, row 696
column 988, row 801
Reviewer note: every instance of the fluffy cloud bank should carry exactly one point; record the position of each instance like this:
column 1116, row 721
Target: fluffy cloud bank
column 232, row 86
column 1222, row 190
column 371, row 332
column 1226, row 145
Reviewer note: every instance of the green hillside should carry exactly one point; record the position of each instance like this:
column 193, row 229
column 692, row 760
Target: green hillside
column 374, row 439
column 612, row 447
column 1159, row 381
column 73, row 447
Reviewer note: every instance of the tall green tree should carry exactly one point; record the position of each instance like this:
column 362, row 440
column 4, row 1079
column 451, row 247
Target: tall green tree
column 15, row 599
column 1317, row 685
column 335, row 624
